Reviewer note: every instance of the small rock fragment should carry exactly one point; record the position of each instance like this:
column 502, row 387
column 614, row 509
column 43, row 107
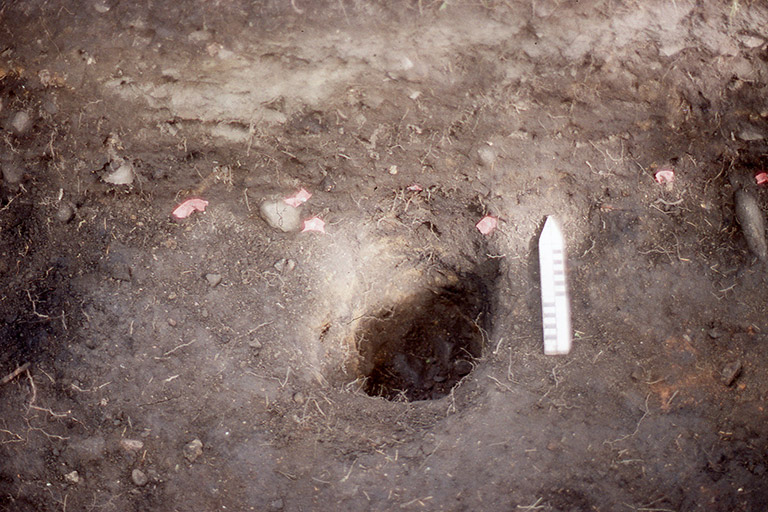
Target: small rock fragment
column 462, row 367
column 285, row 265
column 327, row 184
column 72, row 477
column 715, row 333
column 298, row 397
column 750, row 40
column 213, row 279
column 92, row 343
column 21, row 123
column 752, row 223
column 280, row 215
column 731, row 372
column 64, row 213
column 123, row 175
column 277, row 504
column 193, row 450
column 12, row 173
column 139, row 478
column 255, row 344
column 486, row 156
column 172, row 322
column 51, row 107
column 751, row 134
column 119, row 270
column 131, row 445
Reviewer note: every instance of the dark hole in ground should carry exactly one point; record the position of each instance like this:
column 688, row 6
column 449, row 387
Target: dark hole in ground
column 420, row 348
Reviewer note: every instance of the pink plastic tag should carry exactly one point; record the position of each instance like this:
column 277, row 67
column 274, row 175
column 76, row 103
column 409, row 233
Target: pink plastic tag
column 487, row 224
column 185, row 209
column 314, row 224
column 298, row 198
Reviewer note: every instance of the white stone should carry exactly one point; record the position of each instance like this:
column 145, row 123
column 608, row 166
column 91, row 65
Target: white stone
column 123, row 175
column 280, row 215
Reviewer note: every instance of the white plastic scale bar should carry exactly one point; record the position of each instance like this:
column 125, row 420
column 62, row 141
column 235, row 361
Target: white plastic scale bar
column 555, row 306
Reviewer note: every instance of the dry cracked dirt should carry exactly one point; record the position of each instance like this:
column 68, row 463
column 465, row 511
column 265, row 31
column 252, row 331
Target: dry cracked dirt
column 391, row 357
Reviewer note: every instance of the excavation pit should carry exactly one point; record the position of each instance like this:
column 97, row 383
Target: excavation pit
column 422, row 347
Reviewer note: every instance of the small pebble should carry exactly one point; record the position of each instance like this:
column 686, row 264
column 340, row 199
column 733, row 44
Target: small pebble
column 51, row 107
column 715, row 333
column 172, row 322
column 277, row 504
column 204, row 313
column 72, row 477
column 255, row 344
column 21, row 123
column 123, row 175
column 64, row 213
column 298, row 397
column 731, row 372
column 486, row 155
column 139, row 478
column 462, row 366
column 280, row 215
column 172, row 296
column 752, row 221
column 285, row 265
column 131, row 445
column 12, row 172
column 193, row 450
column 213, row 279
column 92, row 343
column 327, row 184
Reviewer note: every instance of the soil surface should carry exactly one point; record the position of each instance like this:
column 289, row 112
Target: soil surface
column 390, row 356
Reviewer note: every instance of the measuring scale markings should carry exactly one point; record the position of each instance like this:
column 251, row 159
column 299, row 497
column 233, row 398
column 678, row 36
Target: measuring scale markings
column 555, row 306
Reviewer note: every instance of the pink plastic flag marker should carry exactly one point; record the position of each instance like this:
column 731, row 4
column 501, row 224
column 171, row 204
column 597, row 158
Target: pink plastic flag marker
column 487, row 224
column 314, row 224
column 298, row 198
column 665, row 175
column 186, row 208
column 415, row 188
column 761, row 178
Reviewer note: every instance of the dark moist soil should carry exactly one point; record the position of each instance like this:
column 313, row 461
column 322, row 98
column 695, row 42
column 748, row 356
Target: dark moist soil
column 395, row 361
